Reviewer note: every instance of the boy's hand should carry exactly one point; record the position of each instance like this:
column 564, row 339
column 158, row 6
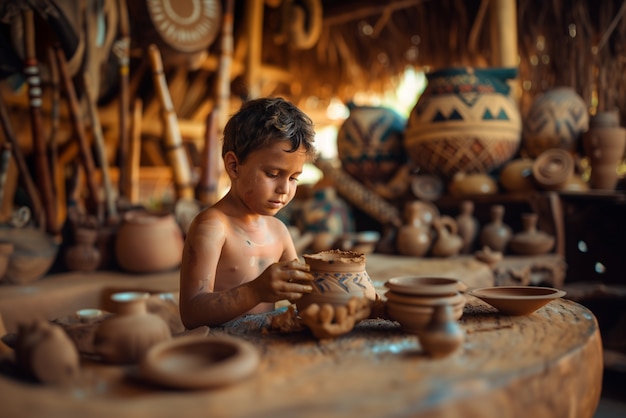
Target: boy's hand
column 284, row 280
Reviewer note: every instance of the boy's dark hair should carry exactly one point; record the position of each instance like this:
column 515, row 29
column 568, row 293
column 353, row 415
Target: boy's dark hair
column 262, row 122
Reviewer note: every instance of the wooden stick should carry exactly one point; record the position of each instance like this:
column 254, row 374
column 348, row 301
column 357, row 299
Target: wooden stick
column 206, row 189
column 176, row 155
column 93, row 202
column 134, row 154
column 112, row 215
column 42, row 167
column 24, row 173
column 121, row 50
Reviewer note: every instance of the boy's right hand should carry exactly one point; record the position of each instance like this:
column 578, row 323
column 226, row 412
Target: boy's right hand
column 284, row 280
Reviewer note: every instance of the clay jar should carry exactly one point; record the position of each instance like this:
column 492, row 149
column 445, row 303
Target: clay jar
column 414, row 236
column 468, row 226
column 125, row 337
column 148, row 242
column 517, row 176
column 338, row 276
column 531, row 241
column 83, row 255
column 604, row 144
column 447, row 243
column 443, row 334
column 496, row 234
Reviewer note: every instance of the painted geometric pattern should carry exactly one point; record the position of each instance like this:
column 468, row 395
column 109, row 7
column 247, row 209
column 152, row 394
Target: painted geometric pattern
column 332, row 282
column 454, row 108
column 449, row 155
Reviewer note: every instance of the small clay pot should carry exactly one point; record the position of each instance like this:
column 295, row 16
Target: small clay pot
column 442, row 335
column 125, row 337
column 472, row 184
column 448, row 243
column 553, row 169
column 517, row 176
column 530, row 241
column 496, row 234
column 83, row 255
column 467, row 226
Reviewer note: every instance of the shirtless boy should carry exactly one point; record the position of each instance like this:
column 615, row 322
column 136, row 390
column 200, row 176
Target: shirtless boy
column 238, row 258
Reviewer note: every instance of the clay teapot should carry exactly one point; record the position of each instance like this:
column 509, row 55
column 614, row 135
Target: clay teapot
column 414, row 237
column 447, row 243
column 125, row 337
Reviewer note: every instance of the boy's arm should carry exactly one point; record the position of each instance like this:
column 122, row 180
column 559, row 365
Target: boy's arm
column 199, row 305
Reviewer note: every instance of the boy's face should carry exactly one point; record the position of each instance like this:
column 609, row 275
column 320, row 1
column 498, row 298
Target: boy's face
column 267, row 180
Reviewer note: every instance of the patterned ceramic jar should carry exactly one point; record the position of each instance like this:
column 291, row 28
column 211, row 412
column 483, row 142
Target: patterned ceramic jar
column 465, row 121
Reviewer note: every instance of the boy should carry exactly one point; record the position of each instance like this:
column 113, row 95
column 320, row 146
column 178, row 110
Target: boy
column 238, row 258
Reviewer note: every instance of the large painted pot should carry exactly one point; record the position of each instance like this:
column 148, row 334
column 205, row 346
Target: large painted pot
column 464, row 121
column 370, row 142
column 556, row 119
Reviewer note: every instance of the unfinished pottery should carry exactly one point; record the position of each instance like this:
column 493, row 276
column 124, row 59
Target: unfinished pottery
column 199, row 362
column 338, row 276
column 517, row 300
column 125, row 337
column 46, row 352
column 442, row 335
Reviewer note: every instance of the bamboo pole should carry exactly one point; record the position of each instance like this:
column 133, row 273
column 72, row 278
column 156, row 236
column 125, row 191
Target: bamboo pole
column 121, row 49
column 254, row 23
column 174, row 150
column 134, row 154
column 42, row 166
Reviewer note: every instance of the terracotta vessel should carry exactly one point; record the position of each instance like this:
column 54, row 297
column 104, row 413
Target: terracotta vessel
column 517, row 300
column 34, row 252
column 414, row 237
column 604, row 145
column 556, row 119
column 517, row 175
column 125, row 337
column 148, row 242
column 464, row 121
column 448, row 242
column 46, row 352
column 467, row 226
column 370, row 142
column 496, row 234
column 442, row 335
column 83, row 255
column 531, row 241
column 463, row 184
column 338, row 276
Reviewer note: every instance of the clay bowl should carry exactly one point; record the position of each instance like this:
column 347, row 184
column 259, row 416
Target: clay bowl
column 517, row 300
column 454, row 300
column 414, row 318
column 199, row 362
column 425, row 285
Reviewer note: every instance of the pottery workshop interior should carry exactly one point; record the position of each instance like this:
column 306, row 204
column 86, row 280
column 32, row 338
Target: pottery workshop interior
column 279, row 208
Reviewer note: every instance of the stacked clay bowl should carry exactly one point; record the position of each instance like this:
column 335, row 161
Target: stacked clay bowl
column 411, row 299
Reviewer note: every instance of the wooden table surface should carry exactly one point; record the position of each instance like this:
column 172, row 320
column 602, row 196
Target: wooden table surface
column 548, row 364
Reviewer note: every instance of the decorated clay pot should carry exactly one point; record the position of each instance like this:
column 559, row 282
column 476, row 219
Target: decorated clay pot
column 370, row 142
column 125, row 337
column 604, row 146
column 496, row 234
column 531, row 241
column 148, row 242
column 337, row 276
column 465, row 121
column 556, row 119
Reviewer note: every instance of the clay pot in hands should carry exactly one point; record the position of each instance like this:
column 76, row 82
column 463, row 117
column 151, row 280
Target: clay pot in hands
column 148, row 242
column 338, row 277
column 496, row 234
column 125, row 337
column 531, row 241
column 447, row 243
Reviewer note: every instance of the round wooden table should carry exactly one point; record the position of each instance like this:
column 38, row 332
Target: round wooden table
column 548, row 364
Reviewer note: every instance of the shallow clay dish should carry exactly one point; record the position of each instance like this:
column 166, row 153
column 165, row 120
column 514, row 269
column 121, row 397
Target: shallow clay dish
column 455, row 299
column 424, row 285
column 517, row 300
column 195, row 362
